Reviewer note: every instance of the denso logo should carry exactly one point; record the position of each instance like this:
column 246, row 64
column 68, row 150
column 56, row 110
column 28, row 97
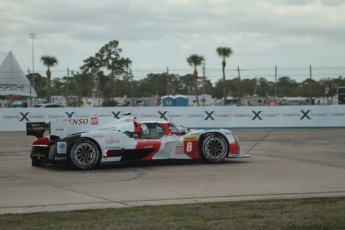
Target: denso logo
column 82, row 121
column 94, row 120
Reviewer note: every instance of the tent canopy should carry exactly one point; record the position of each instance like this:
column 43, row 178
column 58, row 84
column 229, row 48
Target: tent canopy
column 12, row 78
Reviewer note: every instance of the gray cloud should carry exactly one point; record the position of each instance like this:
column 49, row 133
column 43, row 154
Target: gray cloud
column 160, row 33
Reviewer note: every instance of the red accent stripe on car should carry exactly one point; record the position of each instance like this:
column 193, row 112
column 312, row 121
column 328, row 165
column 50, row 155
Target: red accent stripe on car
column 154, row 145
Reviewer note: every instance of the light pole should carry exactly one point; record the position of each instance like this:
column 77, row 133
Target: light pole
column 32, row 37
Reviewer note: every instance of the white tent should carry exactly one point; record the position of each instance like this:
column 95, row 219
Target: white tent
column 12, row 78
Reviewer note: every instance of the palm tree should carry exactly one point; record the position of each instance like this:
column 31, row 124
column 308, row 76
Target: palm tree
column 49, row 61
column 224, row 52
column 195, row 60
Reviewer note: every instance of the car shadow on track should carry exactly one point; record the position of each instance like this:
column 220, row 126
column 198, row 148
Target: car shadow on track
column 145, row 164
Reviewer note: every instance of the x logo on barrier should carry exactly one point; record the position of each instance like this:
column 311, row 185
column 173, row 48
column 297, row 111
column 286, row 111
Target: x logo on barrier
column 162, row 115
column 256, row 115
column 116, row 115
column 24, row 116
column 305, row 114
column 69, row 115
column 209, row 115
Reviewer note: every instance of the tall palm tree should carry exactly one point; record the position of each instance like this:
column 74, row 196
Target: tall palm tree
column 224, row 52
column 195, row 60
column 49, row 61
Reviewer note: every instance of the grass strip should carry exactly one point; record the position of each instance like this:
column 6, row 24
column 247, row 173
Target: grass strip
column 311, row 213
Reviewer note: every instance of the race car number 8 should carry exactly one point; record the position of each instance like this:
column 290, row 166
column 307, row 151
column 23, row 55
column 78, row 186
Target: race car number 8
column 189, row 147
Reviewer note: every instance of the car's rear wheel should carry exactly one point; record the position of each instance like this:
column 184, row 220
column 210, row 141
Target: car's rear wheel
column 85, row 154
column 214, row 147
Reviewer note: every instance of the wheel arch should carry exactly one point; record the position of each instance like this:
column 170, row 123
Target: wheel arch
column 204, row 135
column 71, row 144
column 200, row 145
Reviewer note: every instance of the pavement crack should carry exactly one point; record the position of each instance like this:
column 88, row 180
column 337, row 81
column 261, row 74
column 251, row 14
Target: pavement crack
column 259, row 141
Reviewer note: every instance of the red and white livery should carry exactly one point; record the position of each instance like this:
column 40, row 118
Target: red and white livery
column 87, row 146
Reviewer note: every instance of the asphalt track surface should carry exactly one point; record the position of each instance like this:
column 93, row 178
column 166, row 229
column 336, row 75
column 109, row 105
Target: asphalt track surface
column 284, row 164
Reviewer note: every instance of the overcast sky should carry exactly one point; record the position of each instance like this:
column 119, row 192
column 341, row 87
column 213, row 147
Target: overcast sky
column 156, row 34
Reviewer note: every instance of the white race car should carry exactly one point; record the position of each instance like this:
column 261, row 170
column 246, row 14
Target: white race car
column 126, row 139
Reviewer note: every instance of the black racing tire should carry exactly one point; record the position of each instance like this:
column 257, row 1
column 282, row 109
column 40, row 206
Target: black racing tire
column 84, row 154
column 35, row 162
column 214, row 147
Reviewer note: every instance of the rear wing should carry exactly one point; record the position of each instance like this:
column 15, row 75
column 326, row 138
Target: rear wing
column 37, row 129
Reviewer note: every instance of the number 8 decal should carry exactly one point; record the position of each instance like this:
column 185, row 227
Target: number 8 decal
column 189, row 146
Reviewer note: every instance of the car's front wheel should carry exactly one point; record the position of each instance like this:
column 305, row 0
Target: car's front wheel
column 85, row 154
column 214, row 147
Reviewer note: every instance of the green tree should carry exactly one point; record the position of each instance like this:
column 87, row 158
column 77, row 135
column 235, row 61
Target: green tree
column 90, row 69
column 153, row 84
column 195, row 60
column 49, row 61
column 286, row 86
column 40, row 84
column 109, row 57
column 58, row 87
column 186, row 84
column 224, row 52
column 91, row 65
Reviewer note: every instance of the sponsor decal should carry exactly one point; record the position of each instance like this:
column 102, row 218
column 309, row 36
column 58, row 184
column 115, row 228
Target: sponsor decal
column 24, row 116
column 148, row 115
column 112, row 141
column 83, row 115
column 175, row 115
column 61, row 147
column 291, row 115
column 94, row 120
column 270, row 115
column 12, row 87
column 338, row 114
column 196, row 115
column 37, row 116
column 102, row 115
column 223, row 115
column 179, row 150
column 190, row 138
column 209, row 115
column 162, row 115
column 69, row 115
column 113, row 148
column 108, row 129
column 116, row 115
column 256, row 115
column 305, row 114
column 10, row 117
column 56, row 116
column 319, row 114
column 81, row 121
column 197, row 133
column 242, row 115
column 60, row 158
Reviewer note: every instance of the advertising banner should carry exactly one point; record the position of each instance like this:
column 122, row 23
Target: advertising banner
column 228, row 117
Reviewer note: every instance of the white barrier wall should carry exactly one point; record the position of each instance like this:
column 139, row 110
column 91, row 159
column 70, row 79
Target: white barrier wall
column 332, row 116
